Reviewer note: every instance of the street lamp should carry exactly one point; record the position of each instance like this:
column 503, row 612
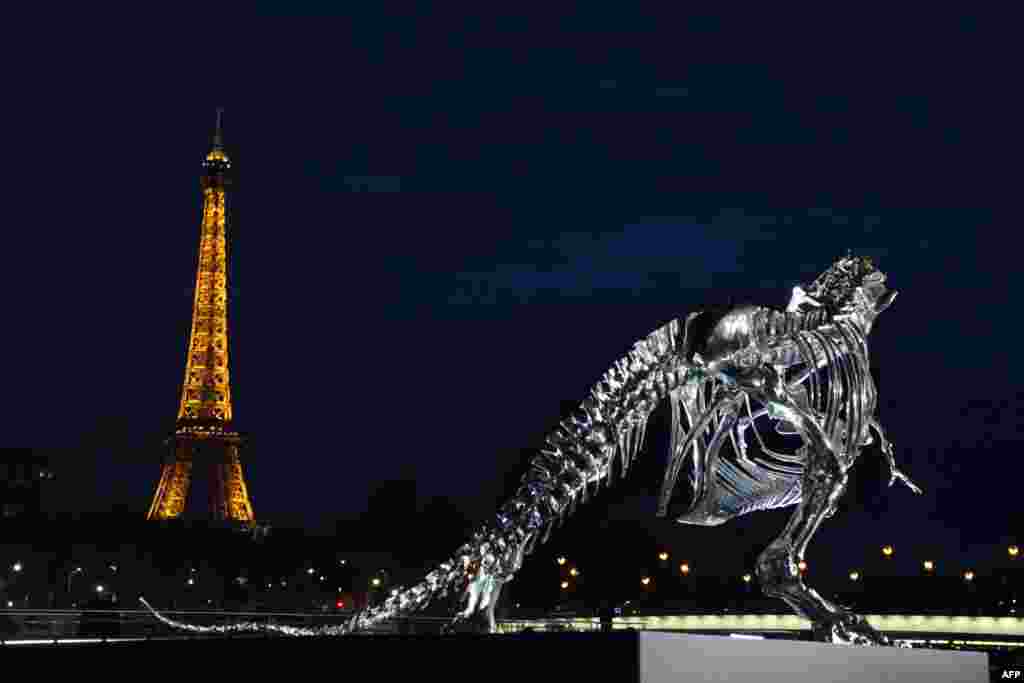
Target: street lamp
column 100, row 588
column 854, row 575
column 684, row 568
column 663, row 556
column 747, row 578
column 887, row 550
column 560, row 561
column 968, row 576
column 645, row 580
column 574, row 572
column 565, row 585
column 1013, row 551
column 929, row 565
column 375, row 582
column 71, row 575
column 17, row 567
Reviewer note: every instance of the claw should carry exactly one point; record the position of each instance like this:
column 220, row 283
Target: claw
column 896, row 474
column 850, row 629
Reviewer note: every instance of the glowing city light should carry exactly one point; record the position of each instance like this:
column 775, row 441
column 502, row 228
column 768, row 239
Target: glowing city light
column 968, row 575
column 929, row 565
column 100, row 589
column 684, row 568
column 854, row 575
column 646, row 580
column 747, row 578
column 663, row 556
column 887, row 550
column 311, row 571
column 1013, row 551
column 191, row 582
column 574, row 572
column 560, row 560
column 17, row 567
column 565, row 585
column 802, row 565
column 376, row 581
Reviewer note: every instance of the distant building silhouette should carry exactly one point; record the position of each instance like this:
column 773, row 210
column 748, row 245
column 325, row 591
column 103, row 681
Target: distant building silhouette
column 23, row 474
column 391, row 512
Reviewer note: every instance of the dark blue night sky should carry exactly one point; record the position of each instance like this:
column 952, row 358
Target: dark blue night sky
column 444, row 226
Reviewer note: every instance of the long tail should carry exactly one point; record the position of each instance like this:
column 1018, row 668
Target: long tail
column 247, row 627
column 580, row 455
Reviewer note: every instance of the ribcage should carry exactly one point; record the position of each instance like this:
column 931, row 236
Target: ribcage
column 832, row 381
column 741, row 458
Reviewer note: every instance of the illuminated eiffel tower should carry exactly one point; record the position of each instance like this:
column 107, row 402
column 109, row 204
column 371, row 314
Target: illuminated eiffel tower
column 204, row 443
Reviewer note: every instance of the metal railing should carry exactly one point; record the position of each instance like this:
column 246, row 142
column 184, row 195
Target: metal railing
column 20, row 625
column 54, row 626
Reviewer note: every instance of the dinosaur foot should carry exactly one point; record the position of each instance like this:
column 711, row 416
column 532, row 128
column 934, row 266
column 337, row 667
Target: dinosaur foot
column 849, row 629
column 471, row 623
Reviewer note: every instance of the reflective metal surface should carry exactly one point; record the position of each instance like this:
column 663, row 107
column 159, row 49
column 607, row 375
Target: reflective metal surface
column 735, row 378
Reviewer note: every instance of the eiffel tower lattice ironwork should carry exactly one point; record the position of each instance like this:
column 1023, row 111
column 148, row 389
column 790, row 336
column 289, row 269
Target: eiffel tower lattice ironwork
column 204, row 442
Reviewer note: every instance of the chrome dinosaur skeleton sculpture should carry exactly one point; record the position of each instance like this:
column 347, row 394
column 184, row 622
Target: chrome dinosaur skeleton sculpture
column 803, row 371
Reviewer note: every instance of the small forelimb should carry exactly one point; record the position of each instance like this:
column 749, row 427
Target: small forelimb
column 887, row 450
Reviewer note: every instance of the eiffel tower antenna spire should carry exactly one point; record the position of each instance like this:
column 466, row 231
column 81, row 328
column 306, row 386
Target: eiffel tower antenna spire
column 218, row 135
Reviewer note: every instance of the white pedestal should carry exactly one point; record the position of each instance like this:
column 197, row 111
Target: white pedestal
column 680, row 658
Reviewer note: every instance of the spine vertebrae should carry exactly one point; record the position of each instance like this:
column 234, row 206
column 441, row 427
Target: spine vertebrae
column 773, row 324
column 579, row 453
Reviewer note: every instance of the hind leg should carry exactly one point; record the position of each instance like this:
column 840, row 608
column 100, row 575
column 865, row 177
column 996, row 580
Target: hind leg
column 482, row 596
column 823, row 483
